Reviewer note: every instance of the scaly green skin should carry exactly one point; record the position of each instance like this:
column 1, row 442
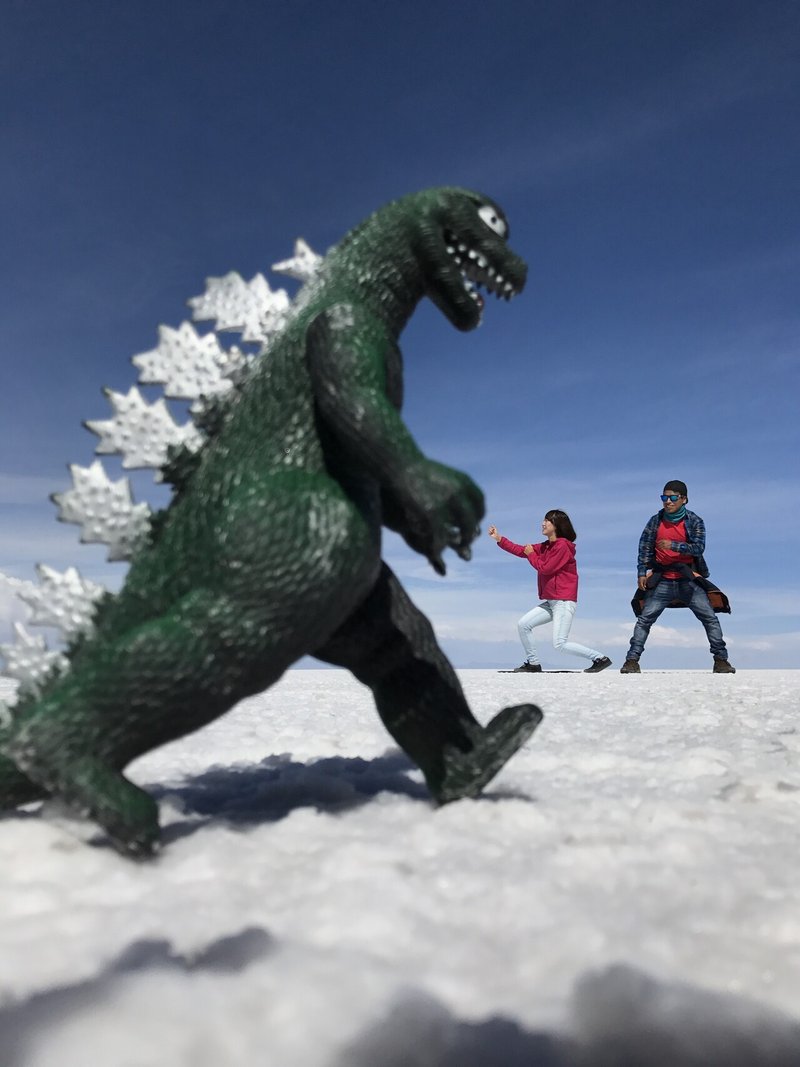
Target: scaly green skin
column 271, row 548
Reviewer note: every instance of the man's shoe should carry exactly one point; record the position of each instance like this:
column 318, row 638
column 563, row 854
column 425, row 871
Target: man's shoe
column 598, row 665
column 630, row 666
column 721, row 666
column 528, row 668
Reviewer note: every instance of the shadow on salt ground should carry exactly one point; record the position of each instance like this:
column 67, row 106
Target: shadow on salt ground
column 20, row 1021
column 275, row 787
column 620, row 1018
column 272, row 789
column 253, row 794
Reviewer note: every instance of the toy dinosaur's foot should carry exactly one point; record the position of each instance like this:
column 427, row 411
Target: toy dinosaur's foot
column 466, row 773
column 93, row 789
column 15, row 787
column 127, row 814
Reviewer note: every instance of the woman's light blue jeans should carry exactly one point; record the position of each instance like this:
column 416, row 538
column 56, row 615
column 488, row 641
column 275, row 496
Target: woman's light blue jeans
column 561, row 612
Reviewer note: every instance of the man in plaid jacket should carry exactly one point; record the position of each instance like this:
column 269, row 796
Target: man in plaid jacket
column 670, row 558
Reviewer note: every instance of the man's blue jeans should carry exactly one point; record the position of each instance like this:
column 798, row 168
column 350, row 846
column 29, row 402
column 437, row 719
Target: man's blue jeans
column 659, row 598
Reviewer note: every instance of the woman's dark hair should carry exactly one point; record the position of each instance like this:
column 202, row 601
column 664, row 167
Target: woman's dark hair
column 564, row 527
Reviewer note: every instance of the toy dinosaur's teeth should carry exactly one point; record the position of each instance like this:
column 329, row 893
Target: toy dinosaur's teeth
column 477, row 271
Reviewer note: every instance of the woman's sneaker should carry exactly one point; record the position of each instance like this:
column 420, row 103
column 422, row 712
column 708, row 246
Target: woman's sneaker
column 528, row 668
column 598, row 665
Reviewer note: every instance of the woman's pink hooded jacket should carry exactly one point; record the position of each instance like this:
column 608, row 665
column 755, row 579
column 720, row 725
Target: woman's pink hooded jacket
column 555, row 565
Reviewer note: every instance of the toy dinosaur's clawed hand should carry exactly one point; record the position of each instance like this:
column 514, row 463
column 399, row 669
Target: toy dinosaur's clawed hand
column 442, row 508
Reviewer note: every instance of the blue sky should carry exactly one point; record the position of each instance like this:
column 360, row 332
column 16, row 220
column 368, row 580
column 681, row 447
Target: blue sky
column 647, row 157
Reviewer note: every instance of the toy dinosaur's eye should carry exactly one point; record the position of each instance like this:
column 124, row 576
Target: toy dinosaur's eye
column 493, row 220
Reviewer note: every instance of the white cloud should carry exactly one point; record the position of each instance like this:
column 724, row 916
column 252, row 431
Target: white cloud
column 786, row 645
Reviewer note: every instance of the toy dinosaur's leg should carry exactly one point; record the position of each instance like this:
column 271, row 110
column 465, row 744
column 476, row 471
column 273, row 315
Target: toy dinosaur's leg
column 92, row 788
column 390, row 646
column 165, row 678
column 157, row 682
column 15, row 787
column 127, row 813
column 63, row 753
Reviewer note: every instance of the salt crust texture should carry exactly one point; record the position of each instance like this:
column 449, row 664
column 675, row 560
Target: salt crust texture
column 627, row 892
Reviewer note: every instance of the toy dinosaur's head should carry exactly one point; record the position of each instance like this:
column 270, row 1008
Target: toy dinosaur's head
column 462, row 246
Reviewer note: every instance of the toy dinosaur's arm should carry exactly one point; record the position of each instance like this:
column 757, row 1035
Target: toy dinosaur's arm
column 354, row 367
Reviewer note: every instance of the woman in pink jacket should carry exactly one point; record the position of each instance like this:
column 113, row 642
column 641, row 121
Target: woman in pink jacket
column 554, row 560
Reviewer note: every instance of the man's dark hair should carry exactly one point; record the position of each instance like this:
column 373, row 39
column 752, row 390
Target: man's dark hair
column 676, row 486
column 564, row 527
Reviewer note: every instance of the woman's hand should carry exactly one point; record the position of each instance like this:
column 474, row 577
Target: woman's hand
column 493, row 533
column 528, row 549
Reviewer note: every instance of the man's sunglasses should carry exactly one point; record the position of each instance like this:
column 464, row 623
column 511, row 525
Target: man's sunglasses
column 673, row 498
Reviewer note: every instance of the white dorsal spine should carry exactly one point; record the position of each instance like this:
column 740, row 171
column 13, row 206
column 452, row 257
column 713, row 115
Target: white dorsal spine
column 30, row 661
column 65, row 600
column 141, row 432
column 104, row 510
column 303, row 265
column 249, row 308
column 188, row 366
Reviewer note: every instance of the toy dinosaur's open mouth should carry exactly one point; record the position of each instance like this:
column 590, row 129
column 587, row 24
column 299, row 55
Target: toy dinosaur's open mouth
column 477, row 270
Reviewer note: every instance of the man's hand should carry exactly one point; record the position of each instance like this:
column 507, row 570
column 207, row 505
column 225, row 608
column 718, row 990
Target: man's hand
column 643, row 581
column 663, row 543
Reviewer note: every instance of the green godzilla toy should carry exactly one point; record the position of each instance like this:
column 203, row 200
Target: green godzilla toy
column 271, row 545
